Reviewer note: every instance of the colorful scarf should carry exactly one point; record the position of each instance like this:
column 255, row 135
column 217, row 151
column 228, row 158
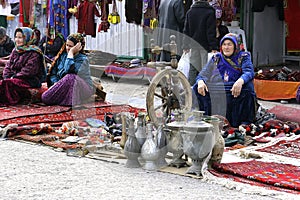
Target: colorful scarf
column 75, row 38
column 29, row 41
column 230, row 67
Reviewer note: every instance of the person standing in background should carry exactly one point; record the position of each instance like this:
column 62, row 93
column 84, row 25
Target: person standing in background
column 221, row 29
column 171, row 22
column 199, row 35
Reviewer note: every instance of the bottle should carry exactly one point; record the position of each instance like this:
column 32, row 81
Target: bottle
column 132, row 148
column 149, row 150
column 140, row 133
column 161, row 142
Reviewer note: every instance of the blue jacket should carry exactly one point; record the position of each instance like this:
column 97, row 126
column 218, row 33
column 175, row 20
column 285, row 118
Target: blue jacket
column 211, row 73
column 78, row 65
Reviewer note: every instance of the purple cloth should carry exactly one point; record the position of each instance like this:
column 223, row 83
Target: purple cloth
column 68, row 91
column 12, row 91
column 28, row 66
column 298, row 95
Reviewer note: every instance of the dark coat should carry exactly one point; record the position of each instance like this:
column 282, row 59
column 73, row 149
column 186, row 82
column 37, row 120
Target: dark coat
column 52, row 47
column 200, row 25
column 223, row 30
column 28, row 66
column 7, row 47
column 171, row 22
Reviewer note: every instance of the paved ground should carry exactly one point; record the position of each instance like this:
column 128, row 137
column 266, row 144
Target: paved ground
column 29, row 171
column 134, row 93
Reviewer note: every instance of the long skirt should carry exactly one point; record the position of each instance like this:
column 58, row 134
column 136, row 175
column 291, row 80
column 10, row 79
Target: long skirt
column 12, row 91
column 237, row 110
column 69, row 91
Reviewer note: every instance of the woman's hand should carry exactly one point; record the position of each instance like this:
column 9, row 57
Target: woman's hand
column 75, row 49
column 202, row 88
column 237, row 87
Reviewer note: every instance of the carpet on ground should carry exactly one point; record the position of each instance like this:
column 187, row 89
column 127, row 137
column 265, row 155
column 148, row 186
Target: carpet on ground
column 288, row 148
column 285, row 113
column 37, row 122
column 56, row 115
column 272, row 175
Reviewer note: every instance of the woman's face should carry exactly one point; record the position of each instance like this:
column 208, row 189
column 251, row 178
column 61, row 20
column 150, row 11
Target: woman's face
column 69, row 45
column 227, row 47
column 19, row 39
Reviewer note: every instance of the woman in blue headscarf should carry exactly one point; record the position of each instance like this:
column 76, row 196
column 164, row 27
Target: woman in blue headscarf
column 25, row 69
column 228, row 78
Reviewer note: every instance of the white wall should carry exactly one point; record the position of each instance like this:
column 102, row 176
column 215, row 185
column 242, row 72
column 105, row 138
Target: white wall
column 123, row 39
column 267, row 37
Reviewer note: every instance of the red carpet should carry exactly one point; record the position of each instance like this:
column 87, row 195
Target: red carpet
column 277, row 176
column 56, row 115
column 285, row 113
column 284, row 148
column 11, row 112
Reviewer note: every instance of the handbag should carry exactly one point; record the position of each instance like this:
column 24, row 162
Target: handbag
column 114, row 17
column 184, row 63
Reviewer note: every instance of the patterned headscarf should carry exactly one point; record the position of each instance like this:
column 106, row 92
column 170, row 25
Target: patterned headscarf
column 238, row 45
column 235, row 58
column 29, row 40
column 77, row 37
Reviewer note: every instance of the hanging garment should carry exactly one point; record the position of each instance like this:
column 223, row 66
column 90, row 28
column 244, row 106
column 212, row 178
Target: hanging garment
column 229, row 10
column 104, row 25
column 133, row 11
column 58, row 10
column 85, row 15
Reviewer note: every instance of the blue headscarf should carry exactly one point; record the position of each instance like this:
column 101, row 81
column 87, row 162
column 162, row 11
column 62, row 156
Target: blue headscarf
column 229, row 66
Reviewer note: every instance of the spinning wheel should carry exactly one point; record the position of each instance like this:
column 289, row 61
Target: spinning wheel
column 168, row 91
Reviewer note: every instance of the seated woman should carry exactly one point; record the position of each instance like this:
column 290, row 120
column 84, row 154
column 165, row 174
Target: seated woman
column 229, row 72
column 69, row 78
column 50, row 44
column 25, row 69
column 6, row 47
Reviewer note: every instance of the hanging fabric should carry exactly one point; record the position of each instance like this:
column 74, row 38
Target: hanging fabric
column 58, row 20
column 104, row 25
column 114, row 17
column 229, row 10
column 85, row 15
column 150, row 13
column 133, row 11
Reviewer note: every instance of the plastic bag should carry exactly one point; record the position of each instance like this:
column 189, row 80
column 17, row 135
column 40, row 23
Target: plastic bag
column 184, row 63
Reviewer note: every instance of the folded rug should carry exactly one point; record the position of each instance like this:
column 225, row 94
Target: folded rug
column 285, row 113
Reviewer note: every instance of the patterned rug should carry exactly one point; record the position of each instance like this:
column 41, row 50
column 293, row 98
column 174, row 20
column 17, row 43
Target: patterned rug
column 10, row 112
column 56, row 115
column 276, row 176
column 288, row 148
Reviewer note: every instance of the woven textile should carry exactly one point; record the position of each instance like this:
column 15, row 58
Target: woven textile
column 281, row 175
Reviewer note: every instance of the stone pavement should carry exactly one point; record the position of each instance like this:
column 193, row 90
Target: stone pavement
column 133, row 92
column 29, row 171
